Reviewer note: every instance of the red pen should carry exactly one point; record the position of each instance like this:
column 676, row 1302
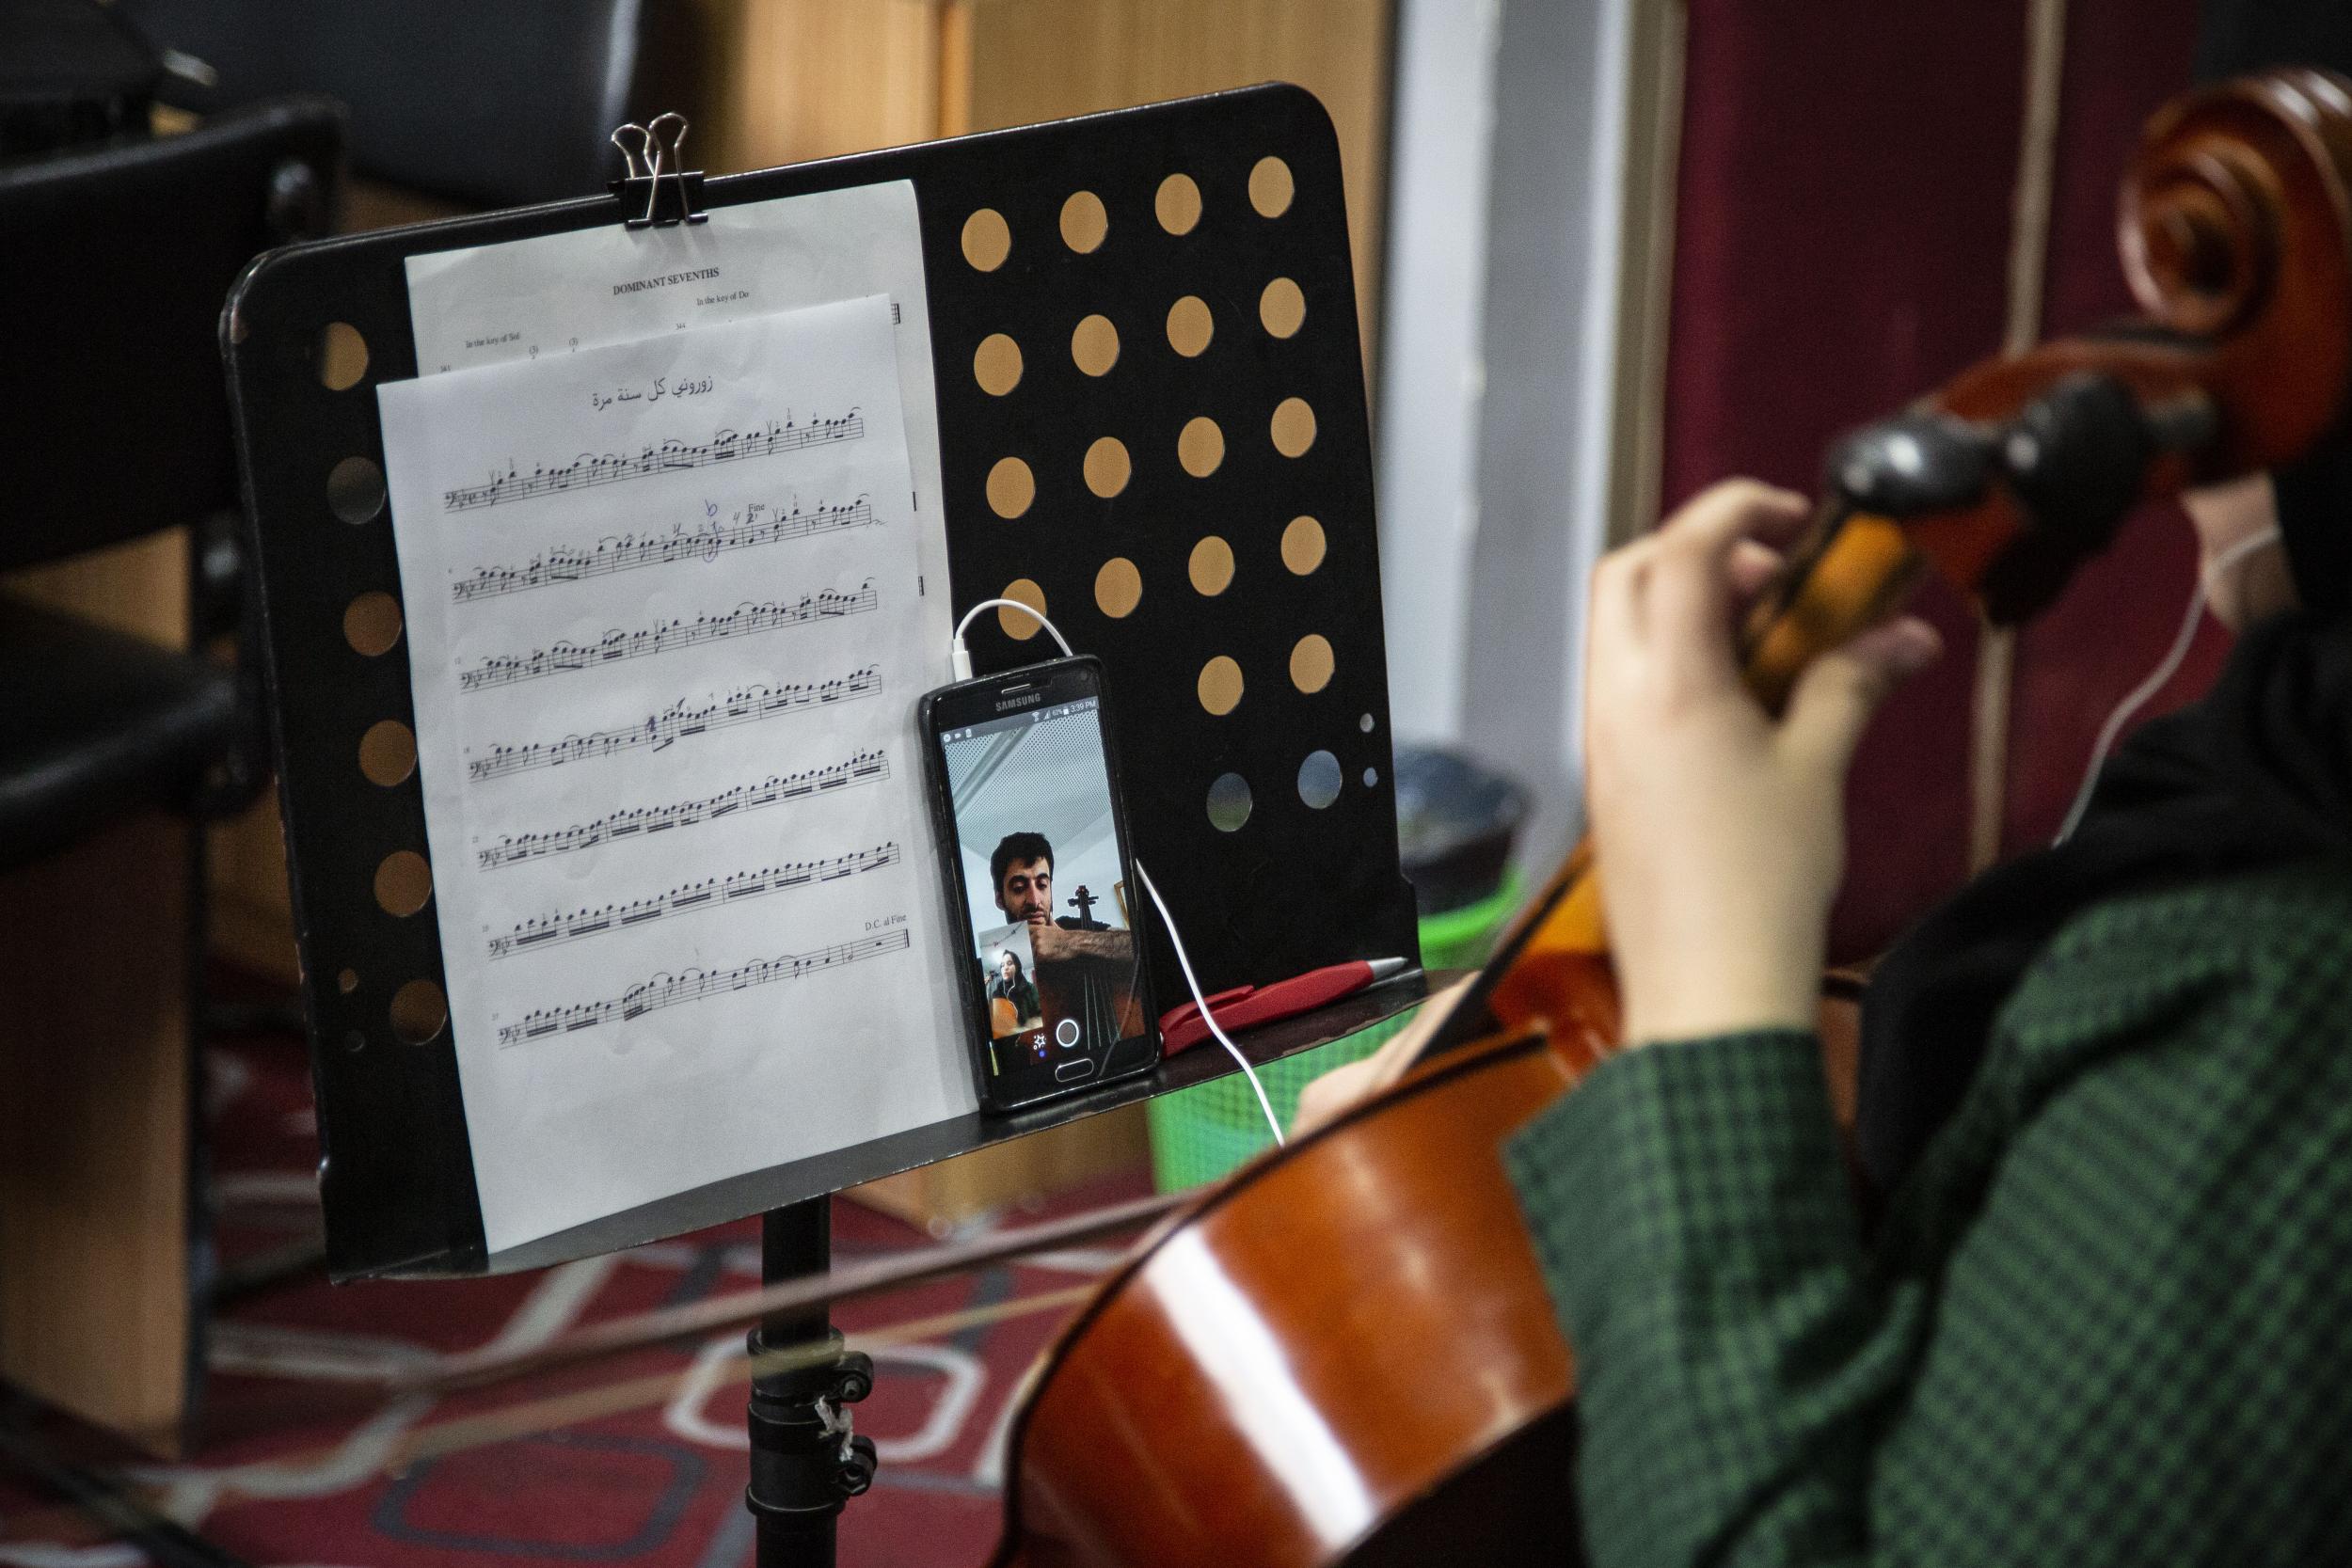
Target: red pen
column 1247, row 1007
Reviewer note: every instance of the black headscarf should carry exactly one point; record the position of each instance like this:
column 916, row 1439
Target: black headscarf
column 2256, row 774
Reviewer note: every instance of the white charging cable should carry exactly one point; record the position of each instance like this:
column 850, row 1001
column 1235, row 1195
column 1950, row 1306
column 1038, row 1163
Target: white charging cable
column 2157, row 680
column 960, row 660
column 959, row 657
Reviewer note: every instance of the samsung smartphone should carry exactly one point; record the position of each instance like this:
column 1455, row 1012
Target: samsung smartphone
column 1040, row 885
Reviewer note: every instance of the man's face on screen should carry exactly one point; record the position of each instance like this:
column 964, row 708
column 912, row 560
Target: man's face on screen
column 1027, row 893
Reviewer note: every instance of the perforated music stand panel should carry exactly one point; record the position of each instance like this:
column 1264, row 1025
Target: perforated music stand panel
column 1219, row 558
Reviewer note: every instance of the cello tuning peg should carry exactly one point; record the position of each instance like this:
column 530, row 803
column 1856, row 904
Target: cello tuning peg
column 1912, row 464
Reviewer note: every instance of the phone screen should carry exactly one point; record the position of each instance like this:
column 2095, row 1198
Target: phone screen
column 1043, row 879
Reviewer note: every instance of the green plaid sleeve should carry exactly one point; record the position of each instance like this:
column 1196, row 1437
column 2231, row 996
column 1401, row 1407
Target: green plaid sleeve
column 1691, row 1208
column 2104, row 1323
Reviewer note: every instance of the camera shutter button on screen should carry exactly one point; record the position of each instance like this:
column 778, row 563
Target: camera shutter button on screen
column 1067, row 1032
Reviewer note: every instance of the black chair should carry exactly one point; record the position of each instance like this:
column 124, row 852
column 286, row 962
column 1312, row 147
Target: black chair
column 114, row 424
column 493, row 103
column 115, row 258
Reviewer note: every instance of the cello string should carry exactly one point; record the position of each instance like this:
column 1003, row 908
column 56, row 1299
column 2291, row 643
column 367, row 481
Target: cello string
column 569, row 1409
column 533, row 1417
column 462, row 1371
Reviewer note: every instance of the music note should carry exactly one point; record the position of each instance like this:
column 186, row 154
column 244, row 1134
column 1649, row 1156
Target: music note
column 663, row 635
column 746, row 705
column 711, row 892
column 646, row 821
column 590, row 470
column 756, row 524
column 670, row 991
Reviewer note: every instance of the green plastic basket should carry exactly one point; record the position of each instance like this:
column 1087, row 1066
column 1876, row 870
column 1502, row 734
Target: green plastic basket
column 1199, row 1135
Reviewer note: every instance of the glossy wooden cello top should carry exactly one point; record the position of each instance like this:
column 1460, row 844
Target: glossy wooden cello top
column 1346, row 1352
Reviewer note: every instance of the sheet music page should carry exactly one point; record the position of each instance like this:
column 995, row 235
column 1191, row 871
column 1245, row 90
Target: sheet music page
column 668, row 620
column 558, row 294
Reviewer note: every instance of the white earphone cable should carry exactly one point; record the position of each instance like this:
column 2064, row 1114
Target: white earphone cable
column 2140, row 694
column 1207, row 1017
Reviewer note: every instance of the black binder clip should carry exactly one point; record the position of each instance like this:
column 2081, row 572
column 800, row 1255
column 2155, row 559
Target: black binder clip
column 659, row 192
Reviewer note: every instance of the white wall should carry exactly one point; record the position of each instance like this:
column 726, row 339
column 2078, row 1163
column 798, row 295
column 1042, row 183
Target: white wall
column 1495, row 415
column 1431, row 360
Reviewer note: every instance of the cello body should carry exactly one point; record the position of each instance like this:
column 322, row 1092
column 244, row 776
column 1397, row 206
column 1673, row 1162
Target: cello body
column 1346, row 1353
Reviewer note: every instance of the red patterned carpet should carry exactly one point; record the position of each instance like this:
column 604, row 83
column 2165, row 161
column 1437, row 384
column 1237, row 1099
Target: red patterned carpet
column 650, row 1473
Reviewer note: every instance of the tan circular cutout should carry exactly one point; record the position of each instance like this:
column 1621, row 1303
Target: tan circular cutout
column 1190, row 327
column 1270, row 187
column 1302, row 545
column 1212, row 567
column 419, row 1010
column 1220, row 686
column 1011, row 487
column 355, row 489
column 1107, row 467
column 1018, row 626
column 1094, row 345
column 996, row 364
column 1178, row 204
column 402, row 882
column 1084, row 223
column 986, row 239
column 1282, row 309
column 371, row 623
column 388, row 753
column 1117, row 588
column 1201, row 447
column 342, row 357
column 348, row 981
column 1293, row 427
column 1311, row 664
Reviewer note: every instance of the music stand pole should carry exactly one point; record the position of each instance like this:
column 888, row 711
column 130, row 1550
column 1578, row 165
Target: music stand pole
column 805, row 1462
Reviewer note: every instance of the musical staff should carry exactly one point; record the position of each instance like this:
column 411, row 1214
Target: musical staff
column 688, row 899
column 664, row 991
column 756, row 524
column 746, row 705
column 663, row 635
column 590, row 470
column 645, row 821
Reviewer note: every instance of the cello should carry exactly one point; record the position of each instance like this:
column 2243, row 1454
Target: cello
column 1346, row 1353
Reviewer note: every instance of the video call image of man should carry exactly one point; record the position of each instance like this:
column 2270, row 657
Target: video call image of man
column 1084, row 967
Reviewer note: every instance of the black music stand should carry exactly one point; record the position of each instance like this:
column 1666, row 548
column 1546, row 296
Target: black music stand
column 1291, row 614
